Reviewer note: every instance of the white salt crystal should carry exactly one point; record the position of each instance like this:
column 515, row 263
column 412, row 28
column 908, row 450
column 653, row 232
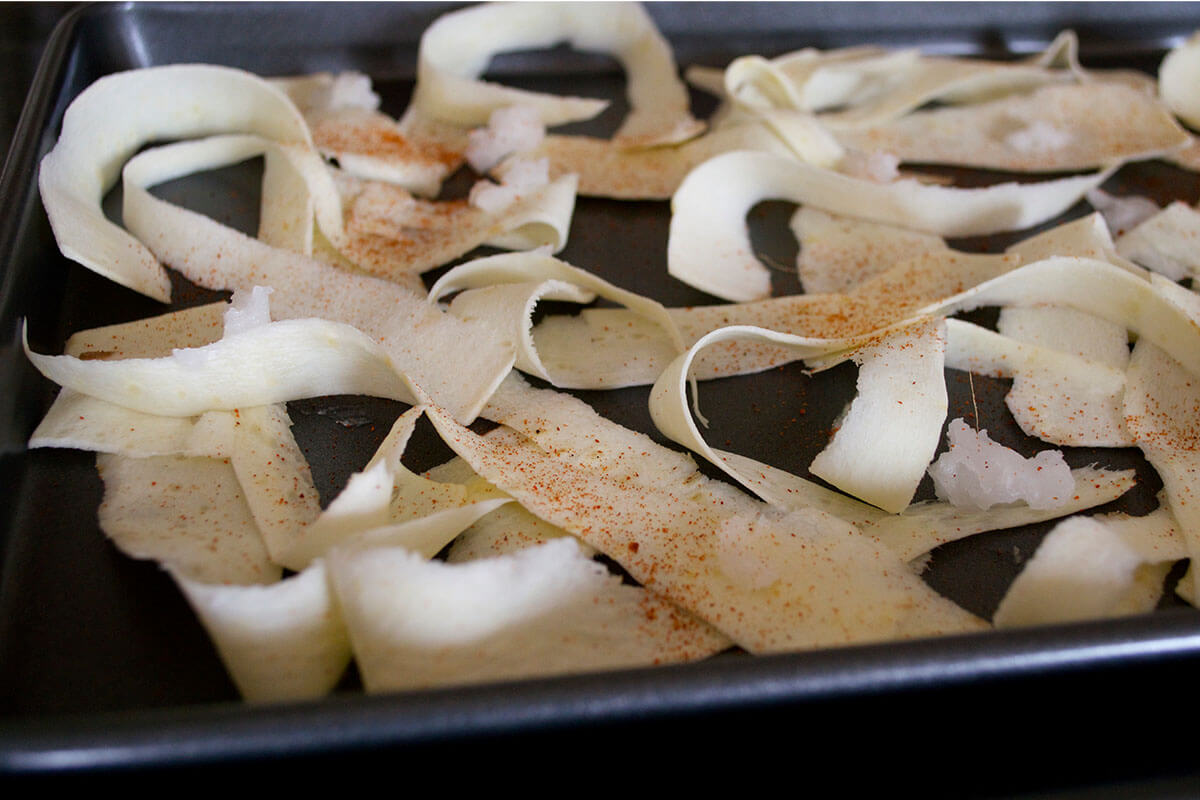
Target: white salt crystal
column 248, row 310
column 1038, row 137
column 877, row 167
column 520, row 176
column 352, row 90
column 979, row 473
column 515, row 129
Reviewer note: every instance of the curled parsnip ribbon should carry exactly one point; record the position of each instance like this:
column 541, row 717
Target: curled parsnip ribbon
column 855, row 87
column 1145, row 307
column 457, row 363
column 709, row 245
column 889, row 435
column 273, row 363
column 456, row 50
column 118, row 114
column 503, row 290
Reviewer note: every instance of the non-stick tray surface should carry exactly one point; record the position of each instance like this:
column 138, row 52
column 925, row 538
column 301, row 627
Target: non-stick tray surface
column 103, row 664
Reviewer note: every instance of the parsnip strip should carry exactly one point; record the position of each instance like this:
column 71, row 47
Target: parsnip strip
column 709, row 245
column 280, row 642
column 390, row 233
column 423, row 341
column 456, row 49
column 506, row 530
column 510, row 529
column 625, row 349
column 275, row 479
column 1081, row 571
column 1056, row 128
column 1166, row 243
column 256, row 441
column 342, row 112
column 111, row 119
column 795, row 80
column 899, row 410
column 1161, row 401
column 1097, row 288
column 386, row 504
column 697, row 542
column 876, row 85
column 373, row 146
column 274, row 363
column 1177, row 80
column 1057, row 397
column 923, row 526
column 151, row 337
column 838, row 253
column 274, row 475
column 428, row 502
column 892, row 427
column 546, row 610
column 504, row 289
column 79, row 422
column 1155, row 536
column 188, row 514
column 606, row 170
column 1068, row 331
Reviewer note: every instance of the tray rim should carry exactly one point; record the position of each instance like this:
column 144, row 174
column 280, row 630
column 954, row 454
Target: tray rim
column 190, row 735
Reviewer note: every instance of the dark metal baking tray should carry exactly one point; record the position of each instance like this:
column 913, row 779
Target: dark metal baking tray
column 102, row 665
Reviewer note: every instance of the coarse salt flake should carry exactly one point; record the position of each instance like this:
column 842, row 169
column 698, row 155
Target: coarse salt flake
column 977, row 472
column 515, row 129
column 248, row 310
column 521, row 176
column 1037, row 137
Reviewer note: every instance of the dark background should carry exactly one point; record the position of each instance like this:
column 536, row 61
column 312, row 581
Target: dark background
column 24, row 29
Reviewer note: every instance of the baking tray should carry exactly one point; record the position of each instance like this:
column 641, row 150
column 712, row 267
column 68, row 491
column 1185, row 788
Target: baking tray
column 103, row 666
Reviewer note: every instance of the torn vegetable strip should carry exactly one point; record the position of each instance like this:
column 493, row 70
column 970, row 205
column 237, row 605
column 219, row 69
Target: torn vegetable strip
column 273, row 363
column 112, row 118
column 392, row 234
column 280, row 642
column 386, row 504
column 423, row 341
column 547, row 610
column 456, row 49
column 771, row 581
column 923, row 526
column 899, row 410
column 1160, row 406
column 188, row 514
column 1058, row 397
column 1056, row 128
column 502, row 291
column 1095, row 287
column 1081, row 571
column 709, row 246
